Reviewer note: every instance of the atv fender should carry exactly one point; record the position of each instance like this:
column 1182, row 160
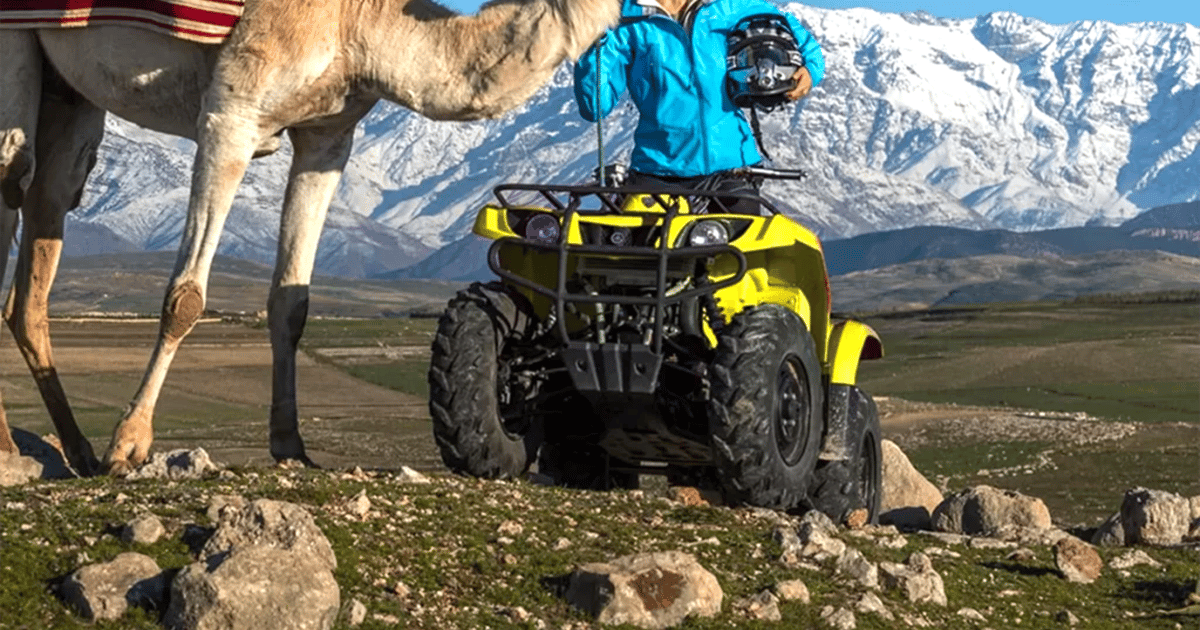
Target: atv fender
column 849, row 342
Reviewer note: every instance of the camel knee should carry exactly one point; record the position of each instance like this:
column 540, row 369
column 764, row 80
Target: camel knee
column 181, row 310
column 16, row 167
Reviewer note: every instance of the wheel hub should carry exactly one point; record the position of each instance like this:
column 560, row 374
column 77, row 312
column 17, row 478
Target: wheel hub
column 791, row 417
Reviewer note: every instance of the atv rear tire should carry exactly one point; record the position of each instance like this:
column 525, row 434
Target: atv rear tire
column 582, row 466
column 466, row 380
column 765, row 408
column 842, row 486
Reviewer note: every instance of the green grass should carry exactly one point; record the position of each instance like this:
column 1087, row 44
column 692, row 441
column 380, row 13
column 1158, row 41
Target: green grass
column 441, row 541
column 403, row 375
column 1131, row 361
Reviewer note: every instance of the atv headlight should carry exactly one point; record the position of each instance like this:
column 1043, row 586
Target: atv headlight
column 542, row 227
column 708, row 233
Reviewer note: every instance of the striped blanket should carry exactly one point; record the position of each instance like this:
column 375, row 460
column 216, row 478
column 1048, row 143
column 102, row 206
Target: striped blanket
column 204, row 21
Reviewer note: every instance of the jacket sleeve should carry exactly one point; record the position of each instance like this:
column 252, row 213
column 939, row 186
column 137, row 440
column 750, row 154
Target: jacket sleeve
column 814, row 59
column 615, row 56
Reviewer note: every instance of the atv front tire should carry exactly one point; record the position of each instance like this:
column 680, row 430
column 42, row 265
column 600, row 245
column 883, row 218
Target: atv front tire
column 842, row 486
column 765, row 408
column 467, row 378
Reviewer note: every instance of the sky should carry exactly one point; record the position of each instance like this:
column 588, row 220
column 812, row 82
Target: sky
column 1052, row 11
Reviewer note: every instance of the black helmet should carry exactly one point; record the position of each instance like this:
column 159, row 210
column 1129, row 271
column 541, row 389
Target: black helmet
column 763, row 56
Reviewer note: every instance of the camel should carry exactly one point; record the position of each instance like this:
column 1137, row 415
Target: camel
column 311, row 69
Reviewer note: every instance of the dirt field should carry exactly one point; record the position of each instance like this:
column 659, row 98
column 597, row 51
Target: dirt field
column 218, row 396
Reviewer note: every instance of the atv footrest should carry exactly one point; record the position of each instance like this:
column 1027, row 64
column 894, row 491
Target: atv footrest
column 612, row 367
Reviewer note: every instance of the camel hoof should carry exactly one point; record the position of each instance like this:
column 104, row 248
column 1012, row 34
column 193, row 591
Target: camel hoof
column 119, row 469
column 294, row 463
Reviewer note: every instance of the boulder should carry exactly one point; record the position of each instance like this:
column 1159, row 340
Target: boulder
column 793, row 590
column 908, row 498
column 854, row 565
column 16, row 469
column 916, row 579
column 652, row 590
column 761, row 607
column 144, row 529
column 267, row 566
column 278, row 524
column 1077, row 560
column 987, row 511
column 254, row 586
column 176, row 464
column 1110, row 533
column 1155, row 517
column 108, row 589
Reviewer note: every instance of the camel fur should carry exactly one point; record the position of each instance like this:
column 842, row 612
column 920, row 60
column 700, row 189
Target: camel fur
column 311, row 69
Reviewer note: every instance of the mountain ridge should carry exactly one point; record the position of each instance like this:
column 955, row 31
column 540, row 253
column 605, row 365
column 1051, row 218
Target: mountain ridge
column 996, row 122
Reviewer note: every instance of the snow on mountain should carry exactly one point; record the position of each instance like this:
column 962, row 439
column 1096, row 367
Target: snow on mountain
column 1001, row 121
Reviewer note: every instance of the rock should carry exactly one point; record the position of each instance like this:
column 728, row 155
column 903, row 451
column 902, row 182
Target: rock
column 985, row 511
column 870, row 603
column 408, row 475
column 16, row 469
column 1110, row 533
column 817, row 535
column 278, row 524
column 1154, row 517
column 1077, row 560
column 761, row 607
column 853, row 564
column 45, row 450
column 1022, row 555
column 357, row 613
column 793, row 590
column 254, row 586
column 983, row 542
column 107, row 590
column 176, row 464
column 145, row 529
column 1067, row 617
column 857, row 519
column 360, row 505
column 1133, row 558
column 971, row 613
column 653, row 590
column 220, row 502
column 510, row 528
column 1036, row 536
column 917, row 579
column 838, row 618
column 908, row 498
column 816, row 520
column 688, row 496
column 789, row 545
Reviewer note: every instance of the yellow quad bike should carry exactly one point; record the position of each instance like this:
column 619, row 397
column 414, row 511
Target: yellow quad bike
column 635, row 332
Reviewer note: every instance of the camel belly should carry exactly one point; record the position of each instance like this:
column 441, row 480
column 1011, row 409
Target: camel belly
column 155, row 81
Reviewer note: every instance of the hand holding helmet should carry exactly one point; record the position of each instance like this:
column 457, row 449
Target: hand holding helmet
column 804, row 84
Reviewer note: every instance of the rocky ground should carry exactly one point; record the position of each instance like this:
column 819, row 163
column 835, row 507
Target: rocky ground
column 181, row 545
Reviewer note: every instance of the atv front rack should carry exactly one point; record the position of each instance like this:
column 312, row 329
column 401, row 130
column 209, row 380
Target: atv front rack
column 634, row 365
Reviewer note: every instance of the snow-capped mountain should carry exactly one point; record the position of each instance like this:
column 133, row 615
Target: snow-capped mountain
column 1001, row 121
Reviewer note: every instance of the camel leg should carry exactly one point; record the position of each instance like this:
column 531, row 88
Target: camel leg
column 225, row 145
column 320, row 157
column 68, row 135
column 21, row 78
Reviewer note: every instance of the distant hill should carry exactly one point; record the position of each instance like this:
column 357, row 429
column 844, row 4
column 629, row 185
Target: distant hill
column 880, row 249
column 1006, row 278
column 1174, row 216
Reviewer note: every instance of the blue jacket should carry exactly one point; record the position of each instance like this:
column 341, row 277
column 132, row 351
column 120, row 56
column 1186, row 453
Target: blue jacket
column 687, row 124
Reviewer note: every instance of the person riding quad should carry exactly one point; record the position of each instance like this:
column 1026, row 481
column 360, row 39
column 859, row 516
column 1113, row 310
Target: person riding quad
column 672, row 57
